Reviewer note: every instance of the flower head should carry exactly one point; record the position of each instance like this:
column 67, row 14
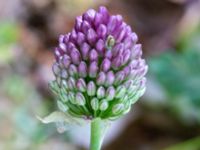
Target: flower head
column 99, row 70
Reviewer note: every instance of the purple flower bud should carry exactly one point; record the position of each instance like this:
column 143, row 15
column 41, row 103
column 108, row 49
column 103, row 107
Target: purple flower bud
column 128, row 30
column 81, row 85
column 117, row 62
column 110, row 93
column 70, row 47
column 119, row 21
column 64, row 74
column 57, row 53
column 142, row 71
column 93, row 55
column 105, row 66
column 93, row 68
column 71, row 83
column 56, row 69
column 61, row 38
column 134, row 37
column 121, row 34
column 100, row 92
column 91, row 36
column 73, row 70
column 109, row 54
column 119, row 77
column 105, row 14
column 127, row 42
column 118, row 49
column 126, row 70
column 82, row 69
column 128, row 83
column 61, row 51
column 110, row 77
column 63, row 47
column 75, row 56
column 100, row 46
column 112, row 24
column 89, row 15
column 78, row 23
column 66, row 61
column 126, row 56
column 66, row 38
column 134, row 64
column 142, row 83
column 136, row 51
column 73, row 36
column 102, row 31
column 101, row 78
column 97, row 19
column 91, row 88
column 141, row 62
column 85, row 50
column 133, row 74
column 80, row 38
column 85, row 26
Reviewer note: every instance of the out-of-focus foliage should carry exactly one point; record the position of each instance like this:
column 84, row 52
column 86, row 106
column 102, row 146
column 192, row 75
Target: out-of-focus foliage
column 190, row 41
column 8, row 37
column 179, row 75
column 28, row 31
column 8, row 33
column 19, row 116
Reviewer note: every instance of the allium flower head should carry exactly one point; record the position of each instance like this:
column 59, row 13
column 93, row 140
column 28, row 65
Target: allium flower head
column 99, row 70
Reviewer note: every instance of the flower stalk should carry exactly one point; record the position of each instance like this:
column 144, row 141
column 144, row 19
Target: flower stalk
column 98, row 130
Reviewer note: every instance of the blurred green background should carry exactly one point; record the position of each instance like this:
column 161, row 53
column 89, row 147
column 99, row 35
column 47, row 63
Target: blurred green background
column 167, row 117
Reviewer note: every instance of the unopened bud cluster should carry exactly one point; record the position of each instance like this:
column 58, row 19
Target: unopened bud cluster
column 99, row 70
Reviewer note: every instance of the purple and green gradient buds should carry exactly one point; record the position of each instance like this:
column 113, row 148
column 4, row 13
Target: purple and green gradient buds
column 99, row 70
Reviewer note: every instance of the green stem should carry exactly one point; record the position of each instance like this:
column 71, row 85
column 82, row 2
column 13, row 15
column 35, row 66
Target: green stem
column 98, row 128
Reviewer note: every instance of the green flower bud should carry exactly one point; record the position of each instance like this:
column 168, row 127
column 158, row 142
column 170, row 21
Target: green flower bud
column 110, row 93
column 103, row 105
column 120, row 92
column 62, row 106
column 91, row 88
column 118, row 108
column 110, row 42
column 95, row 104
column 100, row 92
column 72, row 97
column 80, row 99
